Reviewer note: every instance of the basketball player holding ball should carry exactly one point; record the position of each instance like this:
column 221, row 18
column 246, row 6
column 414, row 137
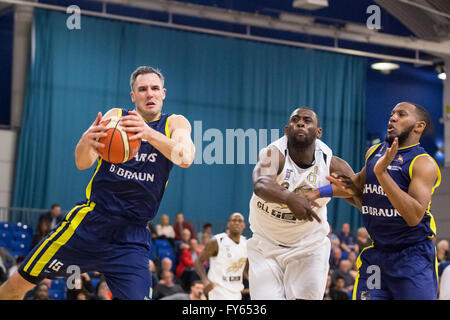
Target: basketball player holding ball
column 107, row 232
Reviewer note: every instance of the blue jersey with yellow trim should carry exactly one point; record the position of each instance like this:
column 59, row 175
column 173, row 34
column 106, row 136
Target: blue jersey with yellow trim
column 133, row 190
column 383, row 222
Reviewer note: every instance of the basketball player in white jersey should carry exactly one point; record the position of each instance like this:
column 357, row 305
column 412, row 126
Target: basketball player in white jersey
column 227, row 255
column 289, row 250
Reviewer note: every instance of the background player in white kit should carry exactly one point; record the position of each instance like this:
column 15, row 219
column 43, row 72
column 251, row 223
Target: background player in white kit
column 227, row 255
column 289, row 250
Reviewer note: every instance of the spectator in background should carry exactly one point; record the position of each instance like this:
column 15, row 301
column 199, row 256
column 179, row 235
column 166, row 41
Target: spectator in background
column 352, row 257
column 14, row 268
column 362, row 239
column 334, row 239
column 155, row 273
column 6, row 262
column 205, row 238
column 335, row 259
column 42, row 230
column 83, row 284
column 197, row 292
column 444, row 280
column 207, row 230
column 53, row 216
column 442, row 250
column 182, row 244
column 344, row 272
column 337, row 291
column 166, row 286
column 40, row 291
column 164, row 230
column 180, row 225
column 348, row 240
column 102, row 291
column 185, row 269
column 327, row 294
column 152, row 230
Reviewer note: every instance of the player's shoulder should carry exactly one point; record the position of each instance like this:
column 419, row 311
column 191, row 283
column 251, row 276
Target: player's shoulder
column 424, row 163
column 371, row 150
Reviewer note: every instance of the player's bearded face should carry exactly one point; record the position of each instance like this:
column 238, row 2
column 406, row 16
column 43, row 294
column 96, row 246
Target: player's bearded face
column 401, row 137
column 301, row 135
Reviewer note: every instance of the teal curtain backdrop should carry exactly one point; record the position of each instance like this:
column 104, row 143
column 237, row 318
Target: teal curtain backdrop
column 217, row 83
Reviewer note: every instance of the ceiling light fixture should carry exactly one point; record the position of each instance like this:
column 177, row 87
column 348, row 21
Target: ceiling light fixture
column 385, row 67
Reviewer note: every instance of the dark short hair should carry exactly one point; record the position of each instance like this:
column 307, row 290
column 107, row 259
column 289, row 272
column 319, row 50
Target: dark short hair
column 206, row 225
column 145, row 70
column 54, row 206
column 423, row 115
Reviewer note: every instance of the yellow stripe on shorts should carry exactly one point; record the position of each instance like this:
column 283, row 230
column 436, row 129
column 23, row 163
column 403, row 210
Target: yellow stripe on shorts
column 65, row 236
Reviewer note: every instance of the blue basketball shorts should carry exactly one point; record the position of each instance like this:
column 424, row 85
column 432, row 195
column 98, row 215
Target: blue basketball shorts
column 92, row 241
column 407, row 274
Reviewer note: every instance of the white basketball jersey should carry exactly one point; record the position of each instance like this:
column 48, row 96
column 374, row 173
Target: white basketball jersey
column 226, row 269
column 275, row 221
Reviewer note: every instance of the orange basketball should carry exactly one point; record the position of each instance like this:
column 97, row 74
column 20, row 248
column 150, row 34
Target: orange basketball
column 118, row 148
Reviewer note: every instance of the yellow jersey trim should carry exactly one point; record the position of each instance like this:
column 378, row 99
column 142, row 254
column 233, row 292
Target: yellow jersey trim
column 167, row 125
column 89, row 187
column 373, row 150
column 413, row 145
column 438, row 181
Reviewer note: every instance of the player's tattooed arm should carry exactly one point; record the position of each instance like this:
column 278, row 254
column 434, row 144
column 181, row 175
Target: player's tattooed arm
column 269, row 166
column 211, row 250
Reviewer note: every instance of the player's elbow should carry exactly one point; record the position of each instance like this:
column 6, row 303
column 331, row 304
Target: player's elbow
column 413, row 221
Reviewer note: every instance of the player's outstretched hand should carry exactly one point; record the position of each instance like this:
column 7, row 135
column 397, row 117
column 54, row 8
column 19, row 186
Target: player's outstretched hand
column 301, row 207
column 386, row 159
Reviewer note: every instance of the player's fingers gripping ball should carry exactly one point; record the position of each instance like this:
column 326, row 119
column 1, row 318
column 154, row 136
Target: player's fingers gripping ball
column 118, row 146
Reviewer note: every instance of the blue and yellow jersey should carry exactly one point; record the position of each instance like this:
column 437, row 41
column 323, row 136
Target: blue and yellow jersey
column 383, row 222
column 132, row 191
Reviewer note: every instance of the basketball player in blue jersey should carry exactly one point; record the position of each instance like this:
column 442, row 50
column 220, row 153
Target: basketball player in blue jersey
column 107, row 232
column 394, row 191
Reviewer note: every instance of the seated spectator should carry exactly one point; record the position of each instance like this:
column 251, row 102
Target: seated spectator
column 182, row 244
column 82, row 295
column 83, row 284
column 53, row 216
column 353, row 266
column 337, row 291
column 362, row 239
column 327, row 294
column 164, row 230
column 336, row 256
column 15, row 267
column 334, row 239
column 185, row 269
column 180, row 225
column 102, row 291
column 6, row 262
column 40, row 291
column 444, row 280
column 205, row 238
column 42, row 230
column 207, row 229
column 197, row 292
column 166, row 286
column 442, row 250
column 348, row 240
column 155, row 273
column 152, row 230
column 344, row 272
